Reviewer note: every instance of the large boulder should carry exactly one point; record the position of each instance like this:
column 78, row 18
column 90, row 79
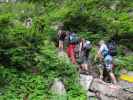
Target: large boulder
column 58, row 87
column 104, row 97
column 105, row 88
column 109, row 91
column 85, row 81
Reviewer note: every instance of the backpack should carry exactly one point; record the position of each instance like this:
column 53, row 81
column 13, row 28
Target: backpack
column 105, row 53
column 87, row 45
column 73, row 38
column 62, row 35
column 112, row 48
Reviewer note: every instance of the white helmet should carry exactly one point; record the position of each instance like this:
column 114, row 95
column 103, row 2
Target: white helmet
column 88, row 42
column 101, row 42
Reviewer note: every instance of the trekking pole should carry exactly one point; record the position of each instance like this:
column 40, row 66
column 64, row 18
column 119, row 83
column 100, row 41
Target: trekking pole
column 128, row 89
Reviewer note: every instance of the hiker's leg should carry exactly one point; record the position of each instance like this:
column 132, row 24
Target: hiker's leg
column 85, row 66
column 113, row 78
column 100, row 68
column 82, row 66
column 73, row 58
column 60, row 45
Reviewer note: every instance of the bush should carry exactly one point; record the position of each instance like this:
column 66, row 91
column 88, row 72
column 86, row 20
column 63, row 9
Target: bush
column 29, row 59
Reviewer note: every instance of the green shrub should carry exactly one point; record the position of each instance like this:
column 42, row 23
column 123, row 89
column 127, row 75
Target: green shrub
column 29, row 59
column 123, row 62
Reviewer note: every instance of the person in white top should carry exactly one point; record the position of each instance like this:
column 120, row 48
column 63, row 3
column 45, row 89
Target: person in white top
column 103, row 47
column 107, row 60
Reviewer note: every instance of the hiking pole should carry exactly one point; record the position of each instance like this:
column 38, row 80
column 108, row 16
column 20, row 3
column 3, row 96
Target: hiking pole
column 128, row 89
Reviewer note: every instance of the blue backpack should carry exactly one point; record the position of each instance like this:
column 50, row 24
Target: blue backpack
column 73, row 38
column 112, row 48
column 105, row 53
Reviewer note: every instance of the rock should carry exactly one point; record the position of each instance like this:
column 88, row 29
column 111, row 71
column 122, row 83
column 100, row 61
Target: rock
column 109, row 91
column 92, row 98
column 125, row 84
column 91, row 94
column 104, row 97
column 85, row 81
column 130, row 73
column 104, row 88
column 58, row 87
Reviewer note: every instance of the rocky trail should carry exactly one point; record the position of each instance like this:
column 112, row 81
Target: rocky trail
column 96, row 89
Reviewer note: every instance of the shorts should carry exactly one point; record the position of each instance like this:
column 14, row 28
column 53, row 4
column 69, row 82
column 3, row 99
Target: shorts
column 108, row 67
column 84, row 59
column 61, row 41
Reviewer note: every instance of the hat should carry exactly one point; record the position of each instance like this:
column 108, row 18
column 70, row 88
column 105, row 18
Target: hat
column 101, row 42
column 88, row 42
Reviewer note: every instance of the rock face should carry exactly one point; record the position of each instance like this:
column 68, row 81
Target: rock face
column 104, row 91
column 105, row 88
column 109, row 91
column 58, row 87
column 85, row 81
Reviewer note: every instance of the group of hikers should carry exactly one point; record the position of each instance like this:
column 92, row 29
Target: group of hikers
column 78, row 50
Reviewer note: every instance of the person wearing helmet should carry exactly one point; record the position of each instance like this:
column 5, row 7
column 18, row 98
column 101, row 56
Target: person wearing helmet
column 108, row 63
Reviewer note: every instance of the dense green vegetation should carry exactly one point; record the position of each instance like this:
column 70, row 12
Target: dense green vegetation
column 26, row 55
column 28, row 60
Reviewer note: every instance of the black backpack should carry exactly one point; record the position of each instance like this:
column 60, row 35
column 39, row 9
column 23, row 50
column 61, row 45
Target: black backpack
column 112, row 48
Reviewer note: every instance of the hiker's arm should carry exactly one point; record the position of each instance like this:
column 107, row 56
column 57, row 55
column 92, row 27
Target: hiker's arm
column 99, row 55
column 80, row 47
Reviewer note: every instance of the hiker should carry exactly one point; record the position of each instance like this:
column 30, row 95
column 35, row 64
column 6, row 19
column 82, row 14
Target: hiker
column 84, row 49
column 106, row 59
column 61, row 38
column 72, row 41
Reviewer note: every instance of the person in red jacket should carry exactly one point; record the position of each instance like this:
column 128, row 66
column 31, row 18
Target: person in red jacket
column 72, row 41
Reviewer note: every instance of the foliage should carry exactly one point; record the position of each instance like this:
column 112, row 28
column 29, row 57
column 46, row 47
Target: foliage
column 19, row 86
column 28, row 59
column 123, row 62
column 109, row 17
